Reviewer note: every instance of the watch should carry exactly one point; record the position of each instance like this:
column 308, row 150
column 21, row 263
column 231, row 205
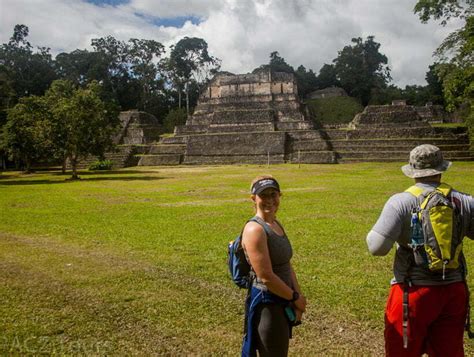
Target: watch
column 296, row 296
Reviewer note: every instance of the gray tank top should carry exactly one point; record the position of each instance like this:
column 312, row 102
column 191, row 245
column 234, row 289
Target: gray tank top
column 280, row 254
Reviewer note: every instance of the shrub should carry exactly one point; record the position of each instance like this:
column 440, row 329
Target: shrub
column 101, row 165
column 175, row 117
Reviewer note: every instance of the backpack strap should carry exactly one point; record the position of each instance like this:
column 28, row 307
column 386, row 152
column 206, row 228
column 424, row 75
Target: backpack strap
column 415, row 190
column 445, row 189
column 260, row 221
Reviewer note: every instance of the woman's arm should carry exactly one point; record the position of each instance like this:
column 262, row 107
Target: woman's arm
column 300, row 304
column 254, row 241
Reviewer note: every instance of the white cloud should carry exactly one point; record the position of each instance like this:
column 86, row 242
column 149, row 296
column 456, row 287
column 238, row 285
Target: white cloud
column 241, row 32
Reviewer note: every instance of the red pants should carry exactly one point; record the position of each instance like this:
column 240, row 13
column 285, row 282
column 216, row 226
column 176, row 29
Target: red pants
column 437, row 316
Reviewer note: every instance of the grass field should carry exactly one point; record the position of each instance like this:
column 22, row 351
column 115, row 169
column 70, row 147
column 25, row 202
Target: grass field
column 133, row 262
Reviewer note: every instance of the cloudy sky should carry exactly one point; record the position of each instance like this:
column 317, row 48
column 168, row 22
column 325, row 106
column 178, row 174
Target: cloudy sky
column 242, row 33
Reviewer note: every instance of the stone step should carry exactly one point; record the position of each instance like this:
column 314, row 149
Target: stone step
column 391, row 159
column 172, row 139
column 235, row 116
column 309, row 145
column 166, row 149
column 190, row 129
column 401, row 132
column 293, row 125
column 233, row 128
column 305, row 135
column 391, row 146
column 233, row 159
column 204, row 108
column 399, row 155
column 158, row 160
column 313, row 157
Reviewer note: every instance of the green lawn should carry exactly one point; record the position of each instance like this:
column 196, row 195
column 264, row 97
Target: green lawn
column 133, row 262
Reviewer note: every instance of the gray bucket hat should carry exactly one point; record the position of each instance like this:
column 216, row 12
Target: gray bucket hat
column 425, row 160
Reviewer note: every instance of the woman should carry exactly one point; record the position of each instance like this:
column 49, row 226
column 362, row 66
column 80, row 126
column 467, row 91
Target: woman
column 275, row 293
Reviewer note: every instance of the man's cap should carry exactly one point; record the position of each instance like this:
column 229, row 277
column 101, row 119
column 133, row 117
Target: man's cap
column 425, row 160
column 263, row 184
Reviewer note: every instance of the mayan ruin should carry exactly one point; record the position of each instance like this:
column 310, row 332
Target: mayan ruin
column 258, row 119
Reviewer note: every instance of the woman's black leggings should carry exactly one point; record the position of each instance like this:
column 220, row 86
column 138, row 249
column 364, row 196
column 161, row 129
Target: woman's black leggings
column 273, row 330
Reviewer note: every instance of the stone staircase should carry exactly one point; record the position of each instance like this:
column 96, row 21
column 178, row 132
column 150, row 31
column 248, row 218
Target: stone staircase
column 138, row 132
column 371, row 138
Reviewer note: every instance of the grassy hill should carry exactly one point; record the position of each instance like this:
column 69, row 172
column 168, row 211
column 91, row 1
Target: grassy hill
column 335, row 110
column 133, row 261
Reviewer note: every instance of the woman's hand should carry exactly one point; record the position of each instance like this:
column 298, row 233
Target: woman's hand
column 300, row 303
column 299, row 315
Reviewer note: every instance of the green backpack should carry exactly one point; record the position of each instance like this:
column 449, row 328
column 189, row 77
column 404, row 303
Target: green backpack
column 436, row 229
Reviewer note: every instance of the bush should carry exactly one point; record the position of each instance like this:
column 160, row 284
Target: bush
column 101, row 165
column 175, row 117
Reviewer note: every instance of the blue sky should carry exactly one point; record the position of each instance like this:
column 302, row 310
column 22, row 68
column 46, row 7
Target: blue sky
column 242, row 33
column 177, row 21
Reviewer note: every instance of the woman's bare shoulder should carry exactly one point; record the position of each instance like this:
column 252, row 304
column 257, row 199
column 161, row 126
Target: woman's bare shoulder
column 253, row 230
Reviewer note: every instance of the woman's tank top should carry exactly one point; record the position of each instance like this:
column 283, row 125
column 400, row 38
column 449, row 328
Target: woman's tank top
column 280, row 251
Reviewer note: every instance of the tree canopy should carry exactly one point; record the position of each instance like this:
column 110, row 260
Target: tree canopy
column 361, row 68
column 455, row 55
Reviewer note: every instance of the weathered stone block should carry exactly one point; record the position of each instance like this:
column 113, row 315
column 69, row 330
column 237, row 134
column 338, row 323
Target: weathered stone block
column 167, row 149
column 237, row 144
column 234, row 128
column 233, row 159
column 157, row 160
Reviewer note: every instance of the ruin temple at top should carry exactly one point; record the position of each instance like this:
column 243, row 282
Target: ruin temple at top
column 257, row 118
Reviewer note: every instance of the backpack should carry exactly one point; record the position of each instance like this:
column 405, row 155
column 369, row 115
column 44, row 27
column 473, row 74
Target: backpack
column 436, row 229
column 240, row 270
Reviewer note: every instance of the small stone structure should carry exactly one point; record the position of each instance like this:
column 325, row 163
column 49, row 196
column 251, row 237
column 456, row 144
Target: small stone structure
column 434, row 114
column 137, row 131
column 388, row 115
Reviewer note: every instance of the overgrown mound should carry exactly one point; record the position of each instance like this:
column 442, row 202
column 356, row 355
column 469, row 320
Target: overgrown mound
column 335, row 110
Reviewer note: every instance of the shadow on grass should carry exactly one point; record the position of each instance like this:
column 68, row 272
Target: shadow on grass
column 67, row 180
column 103, row 172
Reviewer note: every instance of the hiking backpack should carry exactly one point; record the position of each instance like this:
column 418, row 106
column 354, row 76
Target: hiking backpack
column 436, row 241
column 240, row 270
column 436, row 229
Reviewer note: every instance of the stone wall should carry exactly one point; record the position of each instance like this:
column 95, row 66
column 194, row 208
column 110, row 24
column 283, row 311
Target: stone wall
column 264, row 83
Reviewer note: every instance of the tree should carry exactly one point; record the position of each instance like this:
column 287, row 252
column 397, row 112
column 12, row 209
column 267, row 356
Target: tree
column 175, row 117
column 455, row 67
column 435, row 85
column 83, row 124
column 327, row 77
column 278, row 63
column 360, row 68
column 190, row 59
column 142, row 55
column 306, row 81
column 25, row 136
column 30, row 73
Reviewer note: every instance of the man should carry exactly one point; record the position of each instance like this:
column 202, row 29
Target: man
column 436, row 302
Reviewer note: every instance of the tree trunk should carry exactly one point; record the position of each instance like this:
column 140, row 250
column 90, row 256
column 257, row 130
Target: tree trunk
column 179, row 97
column 63, row 167
column 74, row 167
column 27, row 165
column 187, row 100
